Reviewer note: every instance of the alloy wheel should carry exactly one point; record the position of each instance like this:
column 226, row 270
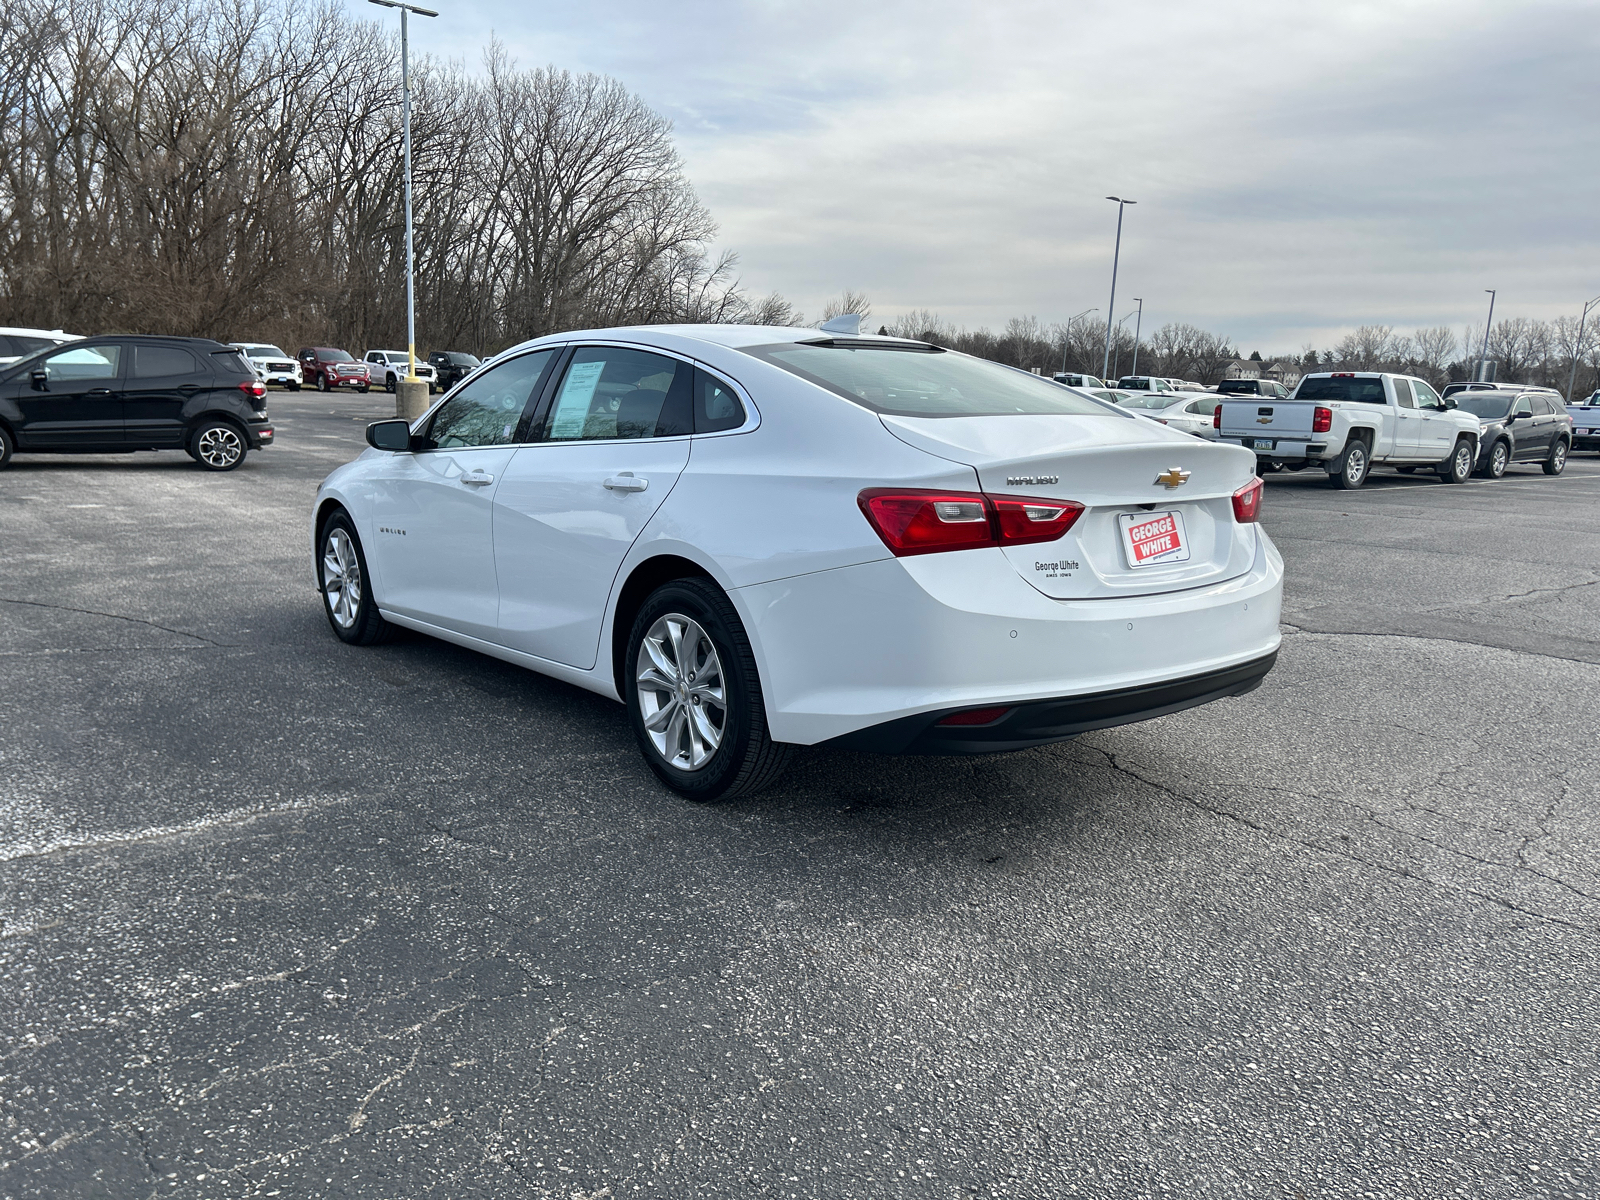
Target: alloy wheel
column 341, row 578
column 683, row 696
column 1355, row 465
column 1463, row 462
column 1499, row 459
column 219, row 447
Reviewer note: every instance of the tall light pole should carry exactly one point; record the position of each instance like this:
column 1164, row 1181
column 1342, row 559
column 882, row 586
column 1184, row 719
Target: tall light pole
column 411, row 258
column 1137, row 326
column 1577, row 347
column 1118, row 359
column 1068, row 335
column 1483, row 353
column 1105, row 363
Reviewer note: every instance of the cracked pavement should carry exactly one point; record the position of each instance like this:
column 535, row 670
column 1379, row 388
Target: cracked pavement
column 279, row 917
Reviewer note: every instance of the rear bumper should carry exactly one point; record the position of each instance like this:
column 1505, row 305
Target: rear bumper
column 1586, row 441
column 1281, row 449
column 1040, row 722
column 915, row 639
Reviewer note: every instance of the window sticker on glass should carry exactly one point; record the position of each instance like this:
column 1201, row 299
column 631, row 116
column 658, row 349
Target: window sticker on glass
column 572, row 407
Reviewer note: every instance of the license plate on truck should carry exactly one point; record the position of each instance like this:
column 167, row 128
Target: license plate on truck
column 1263, row 443
column 1153, row 538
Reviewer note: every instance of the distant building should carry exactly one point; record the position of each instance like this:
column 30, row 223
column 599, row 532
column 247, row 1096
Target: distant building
column 1242, row 368
column 1286, row 373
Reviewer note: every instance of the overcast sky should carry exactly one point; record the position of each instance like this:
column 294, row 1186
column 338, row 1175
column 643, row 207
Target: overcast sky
column 1299, row 168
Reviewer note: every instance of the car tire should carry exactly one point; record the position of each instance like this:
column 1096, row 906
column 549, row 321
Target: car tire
column 1495, row 465
column 364, row 388
column 389, row 382
column 1557, row 462
column 218, row 446
column 5, row 447
column 343, row 580
column 1458, row 467
column 696, row 614
column 323, row 385
column 1351, row 468
column 293, row 387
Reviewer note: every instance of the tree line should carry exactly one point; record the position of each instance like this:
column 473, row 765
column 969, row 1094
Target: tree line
column 232, row 169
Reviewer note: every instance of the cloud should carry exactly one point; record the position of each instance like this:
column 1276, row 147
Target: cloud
column 1300, row 169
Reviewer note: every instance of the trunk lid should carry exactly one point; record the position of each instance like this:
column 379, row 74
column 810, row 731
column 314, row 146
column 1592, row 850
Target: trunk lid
column 1110, row 465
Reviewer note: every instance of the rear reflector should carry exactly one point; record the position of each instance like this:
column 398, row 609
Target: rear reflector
column 1321, row 419
column 915, row 521
column 976, row 716
column 1247, row 502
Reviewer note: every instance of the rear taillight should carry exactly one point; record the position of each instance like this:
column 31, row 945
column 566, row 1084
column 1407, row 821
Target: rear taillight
column 1247, row 502
column 1321, row 419
column 254, row 388
column 928, row 522
column 1021, row 520
column 1216, row 417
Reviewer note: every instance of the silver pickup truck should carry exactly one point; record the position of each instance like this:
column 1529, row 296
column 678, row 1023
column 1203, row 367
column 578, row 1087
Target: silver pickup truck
column 1586, row 423
column 1346, row 422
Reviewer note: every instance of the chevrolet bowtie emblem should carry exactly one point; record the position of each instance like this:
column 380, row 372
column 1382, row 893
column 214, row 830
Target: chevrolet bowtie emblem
column 1263, row 420
column 1173, row 477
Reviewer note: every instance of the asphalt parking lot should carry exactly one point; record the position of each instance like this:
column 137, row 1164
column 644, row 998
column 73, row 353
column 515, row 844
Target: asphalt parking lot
column 286, row 918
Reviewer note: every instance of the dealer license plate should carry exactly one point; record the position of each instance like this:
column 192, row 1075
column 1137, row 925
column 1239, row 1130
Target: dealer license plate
column 1153, row 538
column 1263, row 443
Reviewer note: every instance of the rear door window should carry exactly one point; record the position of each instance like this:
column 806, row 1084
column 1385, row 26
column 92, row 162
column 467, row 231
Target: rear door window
column 1402, row 393
column 617, row 393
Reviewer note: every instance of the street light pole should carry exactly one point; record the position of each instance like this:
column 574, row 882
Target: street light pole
column 1577, row 347
column 1111, row 308
column 1483, row 354
column 1066, row 337
column 1118, row 359
column 411, row 258
column 1137, row 326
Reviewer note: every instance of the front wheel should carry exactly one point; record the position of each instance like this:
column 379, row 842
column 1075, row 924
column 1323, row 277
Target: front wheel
column 1557, row 462
column 323, row 385
column 342, row 579
column 293, row 387
column 1495, row 465
column 5, row 447
column 1458, row 467
column 388, row 383
column 1351, row 467
column 364, row 388
column 217, row 446
column 694, row 697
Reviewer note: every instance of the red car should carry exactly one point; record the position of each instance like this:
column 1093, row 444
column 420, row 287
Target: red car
column 327, row 368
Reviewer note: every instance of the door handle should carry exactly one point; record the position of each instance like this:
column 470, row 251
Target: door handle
column 626, row 482
column 190, row 388
column 99, row 392
column 477, row 477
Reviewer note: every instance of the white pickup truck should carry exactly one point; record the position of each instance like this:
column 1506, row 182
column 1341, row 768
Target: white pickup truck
column 1348, row 421
column 1586, row 423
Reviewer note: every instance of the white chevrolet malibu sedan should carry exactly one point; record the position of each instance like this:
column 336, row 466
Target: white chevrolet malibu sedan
column 759, row 538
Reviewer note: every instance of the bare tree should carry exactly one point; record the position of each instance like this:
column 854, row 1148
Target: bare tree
column 848, row 301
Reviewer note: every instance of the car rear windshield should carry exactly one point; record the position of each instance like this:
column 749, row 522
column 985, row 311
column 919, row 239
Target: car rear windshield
column 1366, row 389
column 913, row 382
column 1237, row 387
column 1492, row 405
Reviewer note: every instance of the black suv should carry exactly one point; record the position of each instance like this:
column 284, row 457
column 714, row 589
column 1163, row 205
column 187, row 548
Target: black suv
column 113, row 394
column 452, row 366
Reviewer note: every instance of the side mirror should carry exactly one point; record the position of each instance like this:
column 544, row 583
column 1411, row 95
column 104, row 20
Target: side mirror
column 389, row 435
column 41, row 379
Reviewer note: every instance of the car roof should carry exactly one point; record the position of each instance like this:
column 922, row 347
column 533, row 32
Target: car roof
column 735, row 337
column 20, row 331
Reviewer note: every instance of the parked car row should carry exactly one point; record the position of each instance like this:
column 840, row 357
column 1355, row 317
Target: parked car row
column 328, row 368
column 15, row 343
column 1347, row 422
